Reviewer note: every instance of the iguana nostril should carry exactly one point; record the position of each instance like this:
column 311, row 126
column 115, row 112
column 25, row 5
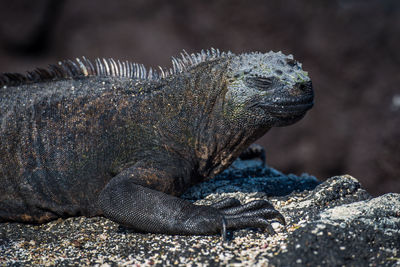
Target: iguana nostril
column 305, row 86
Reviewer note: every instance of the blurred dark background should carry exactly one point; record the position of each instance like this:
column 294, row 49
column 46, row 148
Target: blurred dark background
column 350, row 48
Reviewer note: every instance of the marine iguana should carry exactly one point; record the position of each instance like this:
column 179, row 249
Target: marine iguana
column 111, row 138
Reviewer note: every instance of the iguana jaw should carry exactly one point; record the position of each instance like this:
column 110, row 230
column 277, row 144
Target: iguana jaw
column 288, row 106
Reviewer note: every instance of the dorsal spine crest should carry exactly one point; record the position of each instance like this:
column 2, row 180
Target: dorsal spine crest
column 83, row 67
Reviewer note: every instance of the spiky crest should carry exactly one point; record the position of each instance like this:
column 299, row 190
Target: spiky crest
column 82, row 67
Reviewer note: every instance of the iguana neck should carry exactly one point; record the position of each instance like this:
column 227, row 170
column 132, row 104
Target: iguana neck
column 218, row 138
column 188, row 120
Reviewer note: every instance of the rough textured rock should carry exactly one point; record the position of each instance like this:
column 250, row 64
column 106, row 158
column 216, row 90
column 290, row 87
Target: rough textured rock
column 329, row 224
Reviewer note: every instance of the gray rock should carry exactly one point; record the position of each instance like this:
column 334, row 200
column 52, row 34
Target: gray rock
column 334, row 223
column 249, row 176
column 341, row 225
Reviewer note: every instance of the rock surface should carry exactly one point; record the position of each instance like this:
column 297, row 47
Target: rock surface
column 335, row 223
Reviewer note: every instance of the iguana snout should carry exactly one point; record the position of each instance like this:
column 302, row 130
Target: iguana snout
column 287, row 106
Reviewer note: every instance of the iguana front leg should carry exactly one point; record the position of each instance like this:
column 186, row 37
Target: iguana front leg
column 129, row 203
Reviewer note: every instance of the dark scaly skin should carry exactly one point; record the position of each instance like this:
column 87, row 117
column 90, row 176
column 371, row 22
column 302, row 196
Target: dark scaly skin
column 125, row 148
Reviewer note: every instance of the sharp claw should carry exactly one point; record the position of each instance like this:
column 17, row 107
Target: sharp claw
column 281, row 219
column 223, row 230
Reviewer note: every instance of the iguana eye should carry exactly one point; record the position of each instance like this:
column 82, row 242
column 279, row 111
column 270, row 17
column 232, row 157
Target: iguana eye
column 259, row 83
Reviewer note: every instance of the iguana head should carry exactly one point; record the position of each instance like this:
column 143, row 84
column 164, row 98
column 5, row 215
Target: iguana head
column 268, row 88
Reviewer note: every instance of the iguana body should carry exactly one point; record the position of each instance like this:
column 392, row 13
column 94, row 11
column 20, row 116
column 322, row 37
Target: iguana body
column 112, row 139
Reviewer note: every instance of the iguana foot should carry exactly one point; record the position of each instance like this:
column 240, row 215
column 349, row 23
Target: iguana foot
column 253, row 214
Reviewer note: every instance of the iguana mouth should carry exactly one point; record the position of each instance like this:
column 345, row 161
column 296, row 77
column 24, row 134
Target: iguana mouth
column 294, row 104
column 292, row 109
column 288, row 107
